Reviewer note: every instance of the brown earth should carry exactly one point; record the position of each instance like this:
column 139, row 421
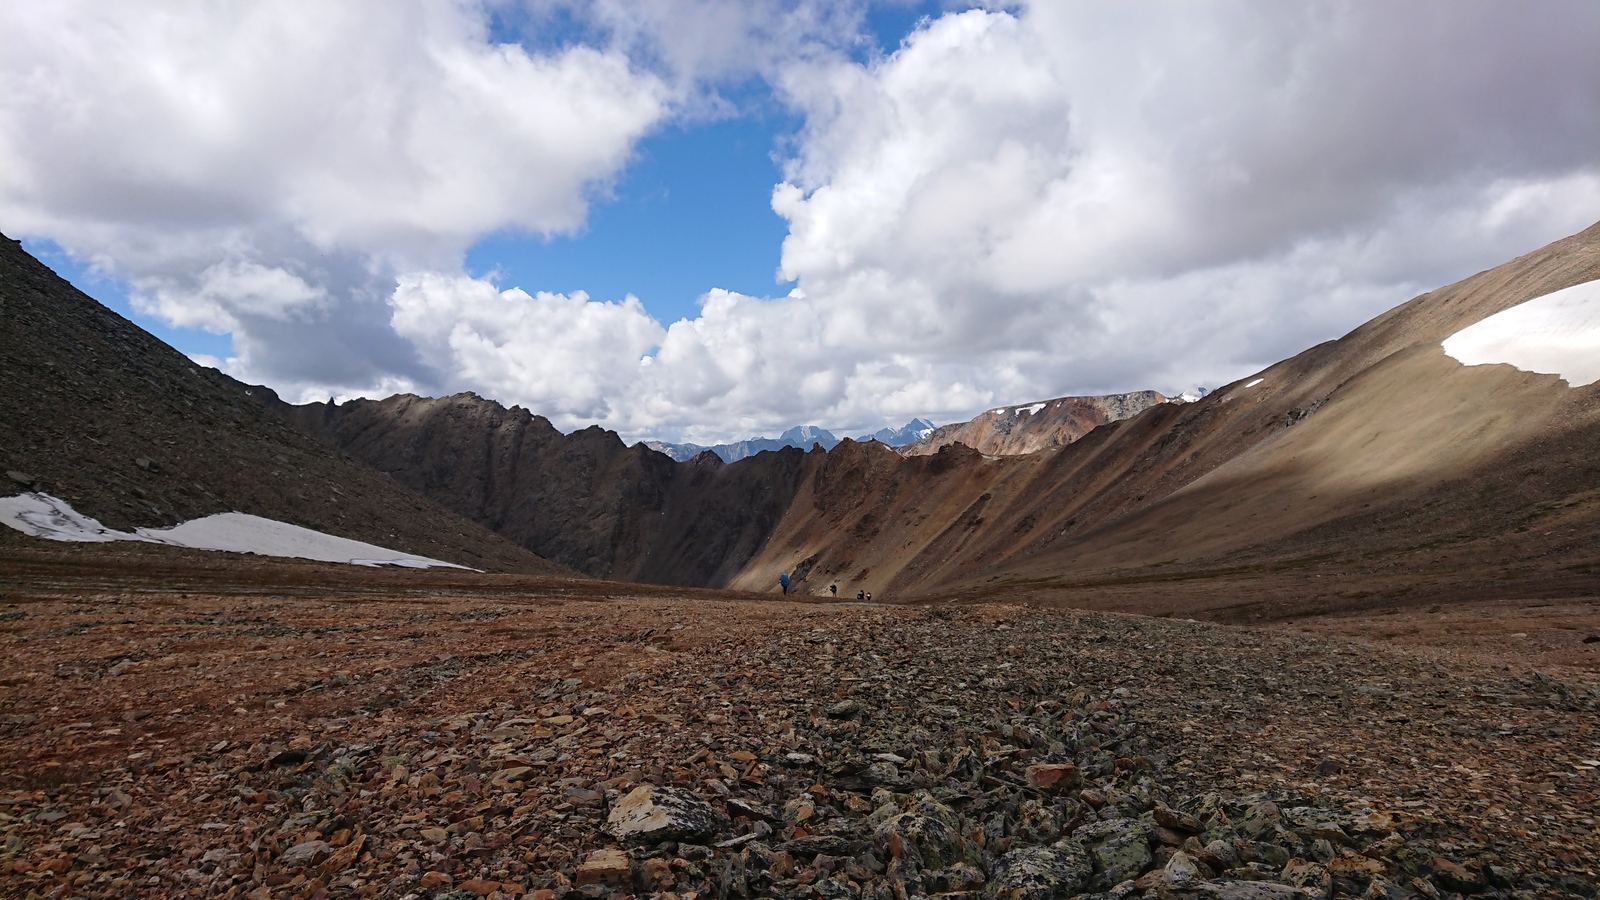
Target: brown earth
column 1031, row 427
column 102, row 414
column 185, row 724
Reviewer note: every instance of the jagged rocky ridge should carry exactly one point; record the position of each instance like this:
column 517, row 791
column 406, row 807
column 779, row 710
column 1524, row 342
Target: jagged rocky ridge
column 584, row 499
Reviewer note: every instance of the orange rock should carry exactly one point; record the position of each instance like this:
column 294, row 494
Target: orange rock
column 610, row 866
column 1054, row 776
column 657, row 875
column 435, row 879
column 480, row 886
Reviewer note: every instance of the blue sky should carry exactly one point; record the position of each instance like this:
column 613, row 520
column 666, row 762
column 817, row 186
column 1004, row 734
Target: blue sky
column 114, row 293
column 691, row 212
column 974, row 205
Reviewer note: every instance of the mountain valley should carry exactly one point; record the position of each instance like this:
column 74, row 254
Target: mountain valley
column 1332, row 630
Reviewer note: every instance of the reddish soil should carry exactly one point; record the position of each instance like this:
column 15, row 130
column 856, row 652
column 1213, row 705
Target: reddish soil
column 176, row 723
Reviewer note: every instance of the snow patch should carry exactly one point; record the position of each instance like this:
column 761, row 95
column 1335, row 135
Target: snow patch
column 1256, row 382
column 1556, row 334
column 44, row 516
column 1030, row 410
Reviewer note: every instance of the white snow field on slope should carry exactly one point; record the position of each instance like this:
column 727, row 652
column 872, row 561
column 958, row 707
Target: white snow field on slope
column 1557, row 334
column 44, row 516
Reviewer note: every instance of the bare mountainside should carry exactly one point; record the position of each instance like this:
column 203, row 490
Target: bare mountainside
column 584, row 499
column 1030, row 427
column 102, row 414
column 1362, row 470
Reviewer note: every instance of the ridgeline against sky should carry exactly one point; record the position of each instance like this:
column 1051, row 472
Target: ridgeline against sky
column 705, row 220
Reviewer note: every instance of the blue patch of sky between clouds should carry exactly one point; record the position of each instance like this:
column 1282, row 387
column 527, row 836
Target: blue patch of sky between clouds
column 113, row 293
column 693, row 209
column 692, row 212
column 890, row 23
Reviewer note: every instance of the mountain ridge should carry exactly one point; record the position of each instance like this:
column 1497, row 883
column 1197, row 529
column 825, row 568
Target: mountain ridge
column 800, row 436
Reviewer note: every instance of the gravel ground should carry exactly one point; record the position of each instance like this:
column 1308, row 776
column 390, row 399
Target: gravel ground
column 475, row 738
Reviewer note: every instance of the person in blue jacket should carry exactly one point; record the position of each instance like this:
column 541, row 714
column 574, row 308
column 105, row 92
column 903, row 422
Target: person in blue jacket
column 783, row 582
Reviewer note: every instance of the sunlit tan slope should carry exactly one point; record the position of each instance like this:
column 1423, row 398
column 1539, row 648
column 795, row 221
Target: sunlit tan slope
column 1374, row 465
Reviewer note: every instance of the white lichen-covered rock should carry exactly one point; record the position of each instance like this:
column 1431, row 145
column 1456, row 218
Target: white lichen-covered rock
column 650, row 815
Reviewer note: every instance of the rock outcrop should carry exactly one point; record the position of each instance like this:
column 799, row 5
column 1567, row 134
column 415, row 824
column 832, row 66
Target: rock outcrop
column 1031, row 427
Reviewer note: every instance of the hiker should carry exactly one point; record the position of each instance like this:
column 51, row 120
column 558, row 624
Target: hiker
column 861, row 595
column 783, row 582
column 834, row 590
column 869, row 596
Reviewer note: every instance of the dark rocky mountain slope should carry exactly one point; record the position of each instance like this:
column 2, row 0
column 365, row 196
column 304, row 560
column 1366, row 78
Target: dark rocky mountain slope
column 584, row 499
column 104, row 415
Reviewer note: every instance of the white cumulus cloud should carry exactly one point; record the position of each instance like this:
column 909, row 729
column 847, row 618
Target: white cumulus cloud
column 196, row 149
column 1018, row 202
column 565, row 357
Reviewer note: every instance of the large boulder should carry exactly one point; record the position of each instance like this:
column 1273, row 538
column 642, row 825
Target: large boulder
column 1041, row 873
column 1120, row 848
column 927, row 832
column 650, row 815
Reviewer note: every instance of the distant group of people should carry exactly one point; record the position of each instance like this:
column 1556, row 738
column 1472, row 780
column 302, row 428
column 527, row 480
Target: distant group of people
column 833, row 589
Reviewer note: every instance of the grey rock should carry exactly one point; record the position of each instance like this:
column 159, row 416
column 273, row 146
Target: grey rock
column 927, row 831
column 1240, row 890
column 1041, row 873
column 1181, row 869
column 650, row 815
column 844, row 709
column 830, row 844
column 305, row 854
column 1120, row 847
column 1261, row 820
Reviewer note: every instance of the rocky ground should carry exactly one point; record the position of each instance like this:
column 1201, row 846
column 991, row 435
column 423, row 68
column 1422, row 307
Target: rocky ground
column 270, row 730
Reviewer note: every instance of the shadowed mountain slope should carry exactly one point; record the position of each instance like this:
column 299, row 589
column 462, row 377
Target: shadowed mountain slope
column 102, row 414
column 584, row 499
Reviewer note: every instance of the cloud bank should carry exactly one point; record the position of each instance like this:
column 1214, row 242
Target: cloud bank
column 1061, row 198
